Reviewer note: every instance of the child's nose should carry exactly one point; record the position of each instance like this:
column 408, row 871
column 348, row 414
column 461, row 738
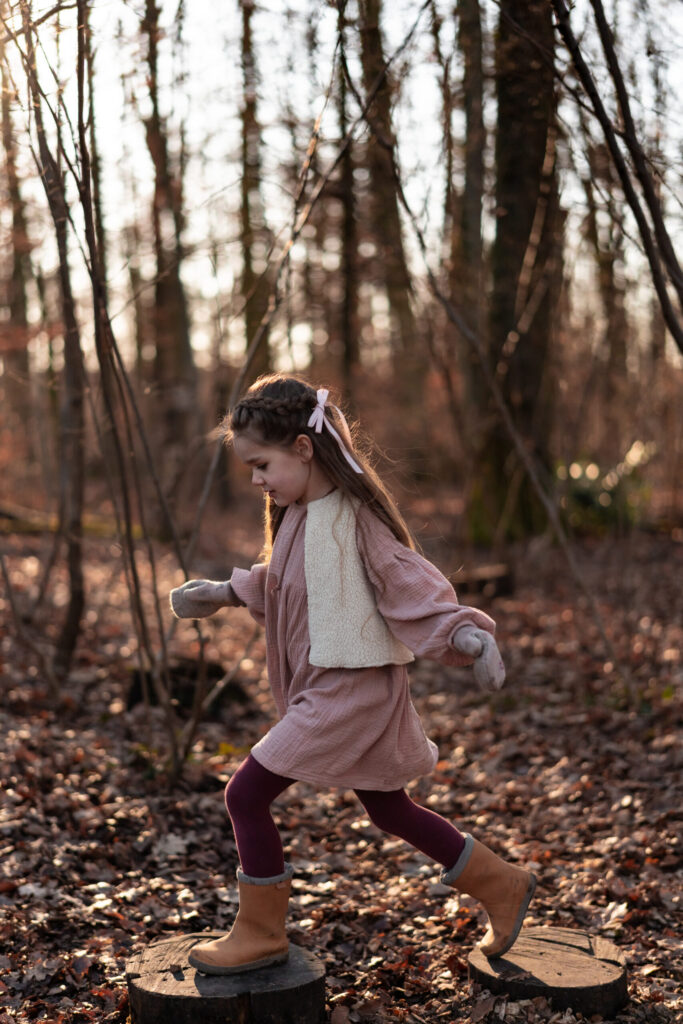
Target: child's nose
column 257, row 478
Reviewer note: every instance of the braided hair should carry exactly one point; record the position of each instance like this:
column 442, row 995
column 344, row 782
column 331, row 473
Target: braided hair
column 275, row 411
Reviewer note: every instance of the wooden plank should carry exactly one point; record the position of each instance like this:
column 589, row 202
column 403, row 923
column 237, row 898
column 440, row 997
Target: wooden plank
column 572, row 969
column 163, row 987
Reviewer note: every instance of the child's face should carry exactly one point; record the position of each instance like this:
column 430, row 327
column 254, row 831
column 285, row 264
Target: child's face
column 283, row 473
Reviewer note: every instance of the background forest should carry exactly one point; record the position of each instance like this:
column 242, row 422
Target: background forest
column 464, row 218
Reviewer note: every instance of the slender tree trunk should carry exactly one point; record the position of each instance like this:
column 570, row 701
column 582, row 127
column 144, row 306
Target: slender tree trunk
column 470, row 40
column 102, row 247
column 15, row 383
column 466, row 265
column 525, row 263
column 409, row 350
column 175, row 369
column 72, row 418
column 349, row 268
column 385, row 210
column 255, row 281
column 607, row 242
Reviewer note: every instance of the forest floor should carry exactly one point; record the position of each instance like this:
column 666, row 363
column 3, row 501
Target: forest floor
column 566, row 770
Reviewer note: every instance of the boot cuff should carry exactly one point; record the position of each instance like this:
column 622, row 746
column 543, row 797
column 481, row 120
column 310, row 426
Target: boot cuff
column 448, row 877
column 249, row 880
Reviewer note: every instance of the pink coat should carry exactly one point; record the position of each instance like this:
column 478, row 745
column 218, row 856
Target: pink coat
column 352, row 728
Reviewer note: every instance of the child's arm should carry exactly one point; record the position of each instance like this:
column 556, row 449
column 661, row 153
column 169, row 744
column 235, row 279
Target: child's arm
column 421, row 608
column 198, row 598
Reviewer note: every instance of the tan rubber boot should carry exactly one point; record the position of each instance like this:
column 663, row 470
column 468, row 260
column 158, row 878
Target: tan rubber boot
column 504, row 890
column 257, row 937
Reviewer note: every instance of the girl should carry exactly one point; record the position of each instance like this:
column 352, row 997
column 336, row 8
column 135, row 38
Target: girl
column 346, row 602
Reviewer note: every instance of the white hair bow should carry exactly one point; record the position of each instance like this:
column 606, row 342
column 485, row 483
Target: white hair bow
column 318, row 420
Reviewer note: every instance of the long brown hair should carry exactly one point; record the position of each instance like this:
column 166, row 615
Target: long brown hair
column 275, row 410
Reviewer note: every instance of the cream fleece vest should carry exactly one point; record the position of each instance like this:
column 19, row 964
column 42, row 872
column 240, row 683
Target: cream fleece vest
column 344, row 624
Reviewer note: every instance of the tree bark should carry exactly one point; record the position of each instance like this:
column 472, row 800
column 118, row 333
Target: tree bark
column 408, row 348
column 255, row 280
column 607, row 244
column 466, row 265
column 385, row 212
column 349, row 269
column 15, row 383
column 470, row 40
column 95, row 165
column 175, row 369
column 525, row 262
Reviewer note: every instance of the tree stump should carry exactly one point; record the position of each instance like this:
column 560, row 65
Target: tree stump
column 163, row 987
column 572, row 969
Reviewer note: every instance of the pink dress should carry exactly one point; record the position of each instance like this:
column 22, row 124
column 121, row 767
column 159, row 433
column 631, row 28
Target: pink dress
column 352, row 728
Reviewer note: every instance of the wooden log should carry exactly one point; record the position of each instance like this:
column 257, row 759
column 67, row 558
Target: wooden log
column 487, row 580
column 164, row 988
column 572, row 969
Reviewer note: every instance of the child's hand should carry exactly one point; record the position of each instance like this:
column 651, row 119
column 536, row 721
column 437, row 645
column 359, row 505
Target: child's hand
column 488, row 667
column 198, row 598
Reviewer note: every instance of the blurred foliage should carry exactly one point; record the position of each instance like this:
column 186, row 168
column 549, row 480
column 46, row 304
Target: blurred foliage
column 596, row 500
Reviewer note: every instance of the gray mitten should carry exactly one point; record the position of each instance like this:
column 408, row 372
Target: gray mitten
column 198, row 598
column 488, row 667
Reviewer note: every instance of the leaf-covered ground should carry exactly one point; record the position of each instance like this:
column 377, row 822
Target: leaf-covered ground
column 563, row 771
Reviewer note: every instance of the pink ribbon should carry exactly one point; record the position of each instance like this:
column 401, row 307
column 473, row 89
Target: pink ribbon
column 318, row 420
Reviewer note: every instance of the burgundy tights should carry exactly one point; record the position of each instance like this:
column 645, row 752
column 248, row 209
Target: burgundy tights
column 253, row 788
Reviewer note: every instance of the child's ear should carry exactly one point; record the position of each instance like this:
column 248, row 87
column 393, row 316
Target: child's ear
column 303, row 446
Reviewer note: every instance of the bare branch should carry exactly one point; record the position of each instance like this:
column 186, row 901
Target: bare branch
column 14, row 36
column 630, row 137
column 671, row 318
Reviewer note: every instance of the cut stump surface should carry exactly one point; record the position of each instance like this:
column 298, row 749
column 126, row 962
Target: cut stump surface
column 163, row 987
column 572, row 969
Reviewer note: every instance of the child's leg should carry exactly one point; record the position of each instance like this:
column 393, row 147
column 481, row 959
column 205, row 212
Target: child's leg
column 257, row 937
column 248, row 797
column 396, row 813
column 504, row 889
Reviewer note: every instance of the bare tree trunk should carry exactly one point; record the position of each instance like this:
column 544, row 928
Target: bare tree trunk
column 467, row 269
column 607, row 242
column 409, row 351
column 175, row 369
column 385, row 213
column 524, row 264
column 255, row 282
column 72, row 418
column 470, row 40
column 349, row 268
column 15, row 383
column 101, row 235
